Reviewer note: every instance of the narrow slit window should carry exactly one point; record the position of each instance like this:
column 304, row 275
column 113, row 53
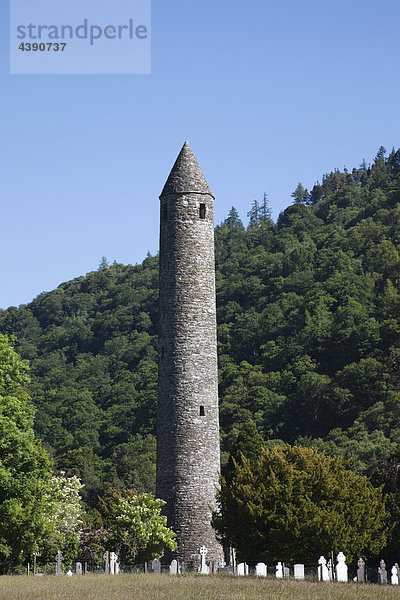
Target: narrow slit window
column 162, row 352
column 202, row 411
column 165, row 212
column 202, row 211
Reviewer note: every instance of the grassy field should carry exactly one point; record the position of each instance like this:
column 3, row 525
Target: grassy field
column 191, row 587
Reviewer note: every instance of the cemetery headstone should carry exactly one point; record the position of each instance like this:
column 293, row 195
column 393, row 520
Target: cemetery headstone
column 203, row 566
column 261, row 569
column 329, row 565
column 382, row 572
column 279, row 570
column 394, row 578
column 69, row 573
column 113, row 560
column 286, row 571
column 341, row 568
column 78, row 568
column 361, row 570
column 241, row 569
column 58, row 563
column 323, row 573
column 299, row 571
column 106, row 557
column 156, row 565
column 173, row 567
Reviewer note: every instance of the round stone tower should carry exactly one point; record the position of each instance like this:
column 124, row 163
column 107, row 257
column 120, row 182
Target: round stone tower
column 188, row 455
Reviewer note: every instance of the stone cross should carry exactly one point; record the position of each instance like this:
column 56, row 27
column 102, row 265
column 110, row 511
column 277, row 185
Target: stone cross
column 361, row 571
column 113, row 562
column 341, row 568
column 279, row 570
column 58, row 563
column 261, row 569
column 329, row 564
column 382, row 573
column 323, row 573
column 203, row 567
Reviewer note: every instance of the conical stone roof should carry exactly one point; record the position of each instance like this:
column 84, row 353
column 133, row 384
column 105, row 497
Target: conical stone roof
column 186, row 175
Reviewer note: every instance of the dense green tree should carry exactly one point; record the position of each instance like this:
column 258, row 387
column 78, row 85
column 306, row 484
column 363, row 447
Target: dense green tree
column 24, row 465
column 136, row 529
column 248, row 444
column 296, row 504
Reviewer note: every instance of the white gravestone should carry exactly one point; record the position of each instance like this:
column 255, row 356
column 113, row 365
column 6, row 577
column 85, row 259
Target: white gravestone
column 323, row 572
column 299, row 571
column 394, row 578
column 203, row 566
column 69, row 573
column 113, row 562
column 261, row 569
column 173, row 567
column 279, row 570
column 78, row 568
column 242, row 569
column 341, row 568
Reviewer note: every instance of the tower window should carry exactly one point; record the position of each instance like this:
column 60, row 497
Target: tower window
column 202, row 411
column 162, row 352
column 165, row 212
column 202, row 211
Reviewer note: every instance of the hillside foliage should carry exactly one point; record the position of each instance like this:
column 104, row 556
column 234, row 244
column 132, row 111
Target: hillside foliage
column 308, row 336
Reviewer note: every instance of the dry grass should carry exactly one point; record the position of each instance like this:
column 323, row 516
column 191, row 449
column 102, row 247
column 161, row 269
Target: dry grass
column 191, row 587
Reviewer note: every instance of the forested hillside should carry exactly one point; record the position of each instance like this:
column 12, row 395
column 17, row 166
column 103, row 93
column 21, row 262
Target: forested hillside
column 309, row 337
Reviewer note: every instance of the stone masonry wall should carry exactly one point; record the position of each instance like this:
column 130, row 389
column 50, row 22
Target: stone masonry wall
column 188, row 455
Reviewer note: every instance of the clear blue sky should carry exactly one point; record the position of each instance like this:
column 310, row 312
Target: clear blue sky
column 267, row 93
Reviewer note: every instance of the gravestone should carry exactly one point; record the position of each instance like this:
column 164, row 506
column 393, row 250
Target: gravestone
column 58, row 563
column 69, row 573
column 299, row 571
column 286, row 571
column 156, row 565
column 329, row 565
column 382, row 572
column 203, row 566
column 323, row 573
column 106, row 557
column 173, row 567
column 341, row 568
column 78, row 568
column 279, row 570
column 361, row 571
column 242, row 569
column 261, row 569
column 113, row 561
column 394, row 578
